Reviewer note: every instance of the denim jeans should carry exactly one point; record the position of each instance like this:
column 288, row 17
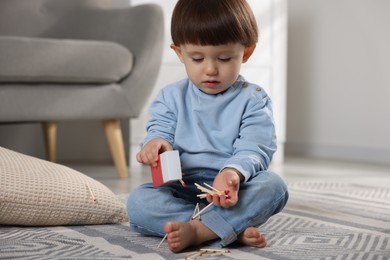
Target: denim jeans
column 262, row 196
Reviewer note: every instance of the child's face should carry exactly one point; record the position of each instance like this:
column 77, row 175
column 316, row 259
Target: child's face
column 213, row 69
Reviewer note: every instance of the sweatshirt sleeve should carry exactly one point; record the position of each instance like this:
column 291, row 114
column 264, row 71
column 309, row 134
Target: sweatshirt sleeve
column 162, row 123
column 256, row 142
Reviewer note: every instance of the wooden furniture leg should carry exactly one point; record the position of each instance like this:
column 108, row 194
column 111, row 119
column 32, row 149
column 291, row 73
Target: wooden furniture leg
column 113, row 132
column 50, row 136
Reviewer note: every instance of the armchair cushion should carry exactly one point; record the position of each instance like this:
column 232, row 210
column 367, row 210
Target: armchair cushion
column 43, row 60
column 34, row 192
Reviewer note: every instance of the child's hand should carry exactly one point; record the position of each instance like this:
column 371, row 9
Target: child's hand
column 227, row 180
column 149, row 153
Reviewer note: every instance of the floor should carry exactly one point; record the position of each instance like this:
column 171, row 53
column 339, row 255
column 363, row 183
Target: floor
column 294, row 169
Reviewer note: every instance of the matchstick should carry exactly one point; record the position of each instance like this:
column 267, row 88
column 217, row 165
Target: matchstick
column 183, row 183
column 202, row 196
column 207, row 253
column 90, row 191
column 204, row 209
column 214, row 250
column 193, row 255
column 196, row 209
column 214, row 189
column 203, row 189
column 162, row 240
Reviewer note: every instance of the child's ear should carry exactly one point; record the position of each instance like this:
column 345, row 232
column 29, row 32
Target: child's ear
column 178, row 51
column 248, row 52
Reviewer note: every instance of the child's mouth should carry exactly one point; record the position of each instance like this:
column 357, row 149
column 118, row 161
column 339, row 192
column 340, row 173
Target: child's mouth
column 211, row 83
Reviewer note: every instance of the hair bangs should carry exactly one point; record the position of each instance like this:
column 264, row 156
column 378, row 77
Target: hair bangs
column 205, row 30
column 214, row 23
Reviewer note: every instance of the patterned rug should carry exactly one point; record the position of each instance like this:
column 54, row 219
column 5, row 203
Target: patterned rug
column 322, row 220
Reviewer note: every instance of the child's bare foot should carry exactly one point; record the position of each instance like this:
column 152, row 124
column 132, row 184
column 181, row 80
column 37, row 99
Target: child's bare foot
column 252, row 237
column 182, row 235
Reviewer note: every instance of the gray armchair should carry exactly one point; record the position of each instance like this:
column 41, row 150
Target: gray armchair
column 78, row 60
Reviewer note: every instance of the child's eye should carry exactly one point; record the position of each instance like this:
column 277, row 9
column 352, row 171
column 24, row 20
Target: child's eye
column 224, row 59
column 197, row 59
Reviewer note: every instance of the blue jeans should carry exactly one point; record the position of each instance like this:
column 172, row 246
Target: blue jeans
column 149, row 208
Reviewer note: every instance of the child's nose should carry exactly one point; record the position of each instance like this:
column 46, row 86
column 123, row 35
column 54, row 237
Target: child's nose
column 211, row 68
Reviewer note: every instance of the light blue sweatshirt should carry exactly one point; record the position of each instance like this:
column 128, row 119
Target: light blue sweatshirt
column 211, row 132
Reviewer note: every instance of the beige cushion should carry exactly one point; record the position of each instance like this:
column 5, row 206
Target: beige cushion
column 34, row 192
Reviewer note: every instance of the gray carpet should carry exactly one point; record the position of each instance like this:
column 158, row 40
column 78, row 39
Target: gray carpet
column 322, row 220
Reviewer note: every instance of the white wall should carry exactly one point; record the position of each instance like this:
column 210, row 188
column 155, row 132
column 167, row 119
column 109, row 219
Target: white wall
column 338, row 101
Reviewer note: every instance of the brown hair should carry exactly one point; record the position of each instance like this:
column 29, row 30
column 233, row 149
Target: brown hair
column 213, row 22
